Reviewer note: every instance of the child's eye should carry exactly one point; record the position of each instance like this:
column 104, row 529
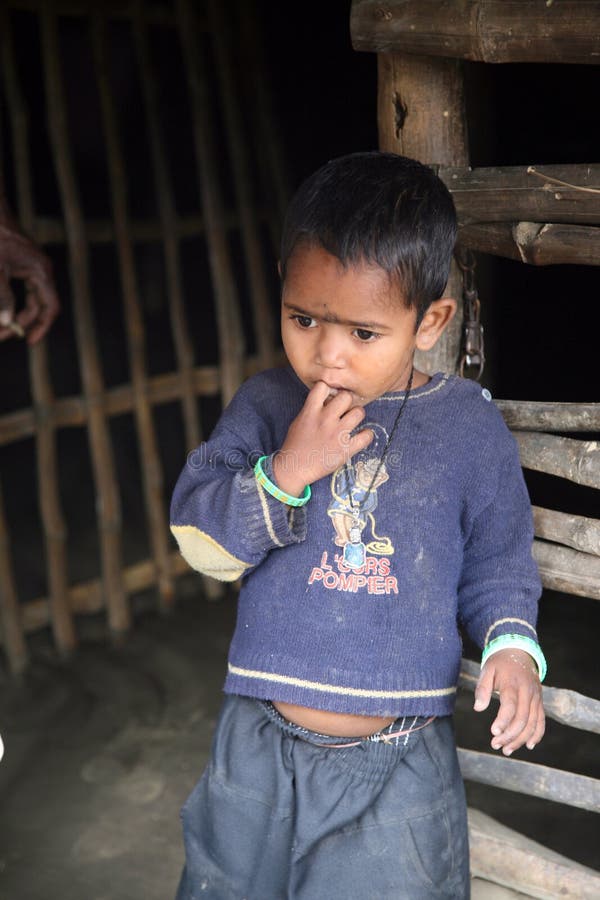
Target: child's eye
column 304, row 321
column 363, row 335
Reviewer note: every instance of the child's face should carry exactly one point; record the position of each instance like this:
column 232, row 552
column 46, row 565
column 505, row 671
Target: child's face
column 347, row 327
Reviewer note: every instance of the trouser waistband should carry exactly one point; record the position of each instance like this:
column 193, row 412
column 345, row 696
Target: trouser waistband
column 403, row 726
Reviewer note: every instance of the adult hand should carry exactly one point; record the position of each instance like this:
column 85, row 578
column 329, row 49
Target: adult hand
column 21, row 258
column 520, row 720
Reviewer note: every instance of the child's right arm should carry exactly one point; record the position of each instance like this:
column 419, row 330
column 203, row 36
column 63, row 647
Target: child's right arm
column 224, row 520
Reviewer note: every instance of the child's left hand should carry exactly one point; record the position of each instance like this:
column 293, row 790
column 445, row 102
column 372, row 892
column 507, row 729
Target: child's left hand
column 520, row 720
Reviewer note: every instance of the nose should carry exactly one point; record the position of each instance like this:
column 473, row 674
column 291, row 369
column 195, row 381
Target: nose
column 330, row 349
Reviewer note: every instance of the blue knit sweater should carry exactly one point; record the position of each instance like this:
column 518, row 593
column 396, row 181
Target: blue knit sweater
column 446, row 532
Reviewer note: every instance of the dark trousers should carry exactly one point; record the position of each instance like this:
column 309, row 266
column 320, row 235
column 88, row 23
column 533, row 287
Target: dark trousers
column 278, row 816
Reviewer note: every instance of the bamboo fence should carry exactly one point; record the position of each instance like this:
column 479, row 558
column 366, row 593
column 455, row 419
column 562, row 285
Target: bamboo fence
column 540, row 215
column 202, row 33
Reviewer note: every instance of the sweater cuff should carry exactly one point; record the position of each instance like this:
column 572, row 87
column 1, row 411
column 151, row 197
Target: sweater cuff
column 285, row 524
column 517, row 642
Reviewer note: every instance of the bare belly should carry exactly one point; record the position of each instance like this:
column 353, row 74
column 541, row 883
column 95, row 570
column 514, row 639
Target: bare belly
column 337, row 724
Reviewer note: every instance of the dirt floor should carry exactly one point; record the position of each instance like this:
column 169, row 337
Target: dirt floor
column 101, row 751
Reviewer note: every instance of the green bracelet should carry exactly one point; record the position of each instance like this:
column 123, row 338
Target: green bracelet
column 517, row 642
column 276, row 492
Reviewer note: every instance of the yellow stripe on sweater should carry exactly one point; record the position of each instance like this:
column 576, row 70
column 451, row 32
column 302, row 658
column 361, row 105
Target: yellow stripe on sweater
column 336, row 688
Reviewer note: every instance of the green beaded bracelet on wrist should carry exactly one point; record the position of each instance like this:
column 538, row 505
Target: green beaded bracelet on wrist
column 517, row 642
column 276, row 492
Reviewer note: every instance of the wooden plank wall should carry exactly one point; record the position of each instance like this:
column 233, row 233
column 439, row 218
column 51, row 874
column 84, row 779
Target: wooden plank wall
column 232, row 41
column 540, row 215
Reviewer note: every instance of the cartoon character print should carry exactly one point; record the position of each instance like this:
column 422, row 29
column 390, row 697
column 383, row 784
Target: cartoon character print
column 354, row 497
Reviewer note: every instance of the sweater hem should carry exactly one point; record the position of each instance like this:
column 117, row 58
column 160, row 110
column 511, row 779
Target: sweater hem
column 340, row 698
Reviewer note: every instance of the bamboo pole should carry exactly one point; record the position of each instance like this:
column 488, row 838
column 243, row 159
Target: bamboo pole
column 11, row 614
column 168, row 235
column 72, row 411
column 116, row 9
column 420, row 113
column 87, row 597
column 108, row 505
column 534, row 243
column 566, row 707
column 505, row 857
column 532, row 779
column 266, row 138
column 580, row 532
column 150, row 463
column 557, row 194
column 262, row 314
column 577, row 461
column 563, row 569
column 528, row 415
column 49, row 230
column 230, row 336
column 53, row 522
column 493, row 31
column 181, row 333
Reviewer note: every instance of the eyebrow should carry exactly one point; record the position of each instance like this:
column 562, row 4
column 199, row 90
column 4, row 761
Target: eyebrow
column 333, row 319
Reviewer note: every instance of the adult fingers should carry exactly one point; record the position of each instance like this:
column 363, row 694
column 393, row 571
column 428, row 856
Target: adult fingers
column 7, row 306
column 40, row 311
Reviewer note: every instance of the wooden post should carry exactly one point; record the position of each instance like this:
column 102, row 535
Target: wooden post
column 421, row 115
column 108, row 505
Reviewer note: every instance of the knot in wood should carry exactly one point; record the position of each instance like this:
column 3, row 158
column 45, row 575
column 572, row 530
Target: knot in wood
column 381, row 12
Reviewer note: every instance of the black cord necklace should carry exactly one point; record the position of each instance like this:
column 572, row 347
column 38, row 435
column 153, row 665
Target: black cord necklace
column 354, row 550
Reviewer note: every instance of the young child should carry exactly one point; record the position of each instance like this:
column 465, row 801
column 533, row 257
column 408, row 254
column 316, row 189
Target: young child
column 370, row 510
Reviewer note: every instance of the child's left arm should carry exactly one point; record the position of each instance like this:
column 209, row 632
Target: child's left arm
column 512, row 673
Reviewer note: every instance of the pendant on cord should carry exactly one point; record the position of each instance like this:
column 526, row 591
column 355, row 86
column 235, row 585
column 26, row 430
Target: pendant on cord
column 355, row 553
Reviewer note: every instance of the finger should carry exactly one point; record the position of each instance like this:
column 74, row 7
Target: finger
column 7, row 302
column 360, row 441
column 483, row 690
column 37, row 316
column 539, row 730
column 520, row 731
column 517, row 719
column 318, row 394
column 506, row 713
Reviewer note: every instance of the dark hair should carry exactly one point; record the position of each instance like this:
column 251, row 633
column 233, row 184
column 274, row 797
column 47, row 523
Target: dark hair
column 381, row 209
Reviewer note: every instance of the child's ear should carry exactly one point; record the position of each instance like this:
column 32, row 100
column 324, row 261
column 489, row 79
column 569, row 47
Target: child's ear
column 279, row 267
column 436, row 319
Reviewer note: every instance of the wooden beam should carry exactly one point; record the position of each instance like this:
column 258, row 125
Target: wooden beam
column 534, row 243
column 533, row 415
column 506, row 857
column 579, row 532
column 493, row 31
column 558, row 194
column 566, row 707
column 577, row 461
column 532, row 779
column 563, row 569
